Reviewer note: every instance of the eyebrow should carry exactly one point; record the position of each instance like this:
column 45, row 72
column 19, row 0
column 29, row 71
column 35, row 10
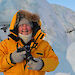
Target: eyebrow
column 25, row 24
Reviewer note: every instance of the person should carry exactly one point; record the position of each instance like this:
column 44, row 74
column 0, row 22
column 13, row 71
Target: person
column 25, row 52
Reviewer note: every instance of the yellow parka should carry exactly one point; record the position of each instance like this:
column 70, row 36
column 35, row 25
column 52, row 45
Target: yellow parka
column 42, row 49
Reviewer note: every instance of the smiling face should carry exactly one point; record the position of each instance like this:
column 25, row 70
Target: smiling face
column 24, row 27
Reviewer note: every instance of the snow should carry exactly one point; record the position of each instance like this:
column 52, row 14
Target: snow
column 3, row 35
column 71, row 55
column 62, row 74
column 71, row 36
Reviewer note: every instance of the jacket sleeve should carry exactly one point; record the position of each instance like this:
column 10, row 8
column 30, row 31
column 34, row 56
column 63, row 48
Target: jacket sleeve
column 5, row 62
column 50, row 60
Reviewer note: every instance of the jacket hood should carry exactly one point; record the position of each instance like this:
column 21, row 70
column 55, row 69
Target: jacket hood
column 31, row 17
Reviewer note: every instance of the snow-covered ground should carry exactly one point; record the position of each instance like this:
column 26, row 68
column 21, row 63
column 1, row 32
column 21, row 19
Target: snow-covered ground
column 71, row 55
column 57, row 21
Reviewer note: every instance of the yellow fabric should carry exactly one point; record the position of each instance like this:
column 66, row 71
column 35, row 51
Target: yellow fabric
column 39, row 31
column 8, row 46
column 40, row 23
column 13, row 22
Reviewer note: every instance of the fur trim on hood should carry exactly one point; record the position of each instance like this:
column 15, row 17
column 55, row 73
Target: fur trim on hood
column 31, row 17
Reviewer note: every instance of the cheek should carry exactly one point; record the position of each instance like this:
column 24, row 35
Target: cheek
column 29, row 28
column 20, row 29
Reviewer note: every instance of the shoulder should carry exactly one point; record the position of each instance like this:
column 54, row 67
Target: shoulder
column 5, row 41
column 7, row 44
column 44, row 42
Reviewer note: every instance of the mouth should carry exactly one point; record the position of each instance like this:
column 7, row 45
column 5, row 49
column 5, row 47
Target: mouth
column 25, row 31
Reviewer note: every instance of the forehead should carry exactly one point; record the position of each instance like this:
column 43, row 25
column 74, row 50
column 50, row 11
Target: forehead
column 25, row 25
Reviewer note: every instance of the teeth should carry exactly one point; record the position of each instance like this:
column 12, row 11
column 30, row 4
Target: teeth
column 25, row 31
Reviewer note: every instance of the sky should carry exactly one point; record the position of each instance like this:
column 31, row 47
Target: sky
column 67, row 3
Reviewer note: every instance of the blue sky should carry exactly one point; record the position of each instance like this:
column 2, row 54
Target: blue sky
column 67, row 3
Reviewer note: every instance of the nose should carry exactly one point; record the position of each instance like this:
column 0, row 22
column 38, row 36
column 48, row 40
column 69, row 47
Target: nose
column 24, row 27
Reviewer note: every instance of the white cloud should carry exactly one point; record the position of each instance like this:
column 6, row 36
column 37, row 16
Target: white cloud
column 71, row 55
column 62, row 74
